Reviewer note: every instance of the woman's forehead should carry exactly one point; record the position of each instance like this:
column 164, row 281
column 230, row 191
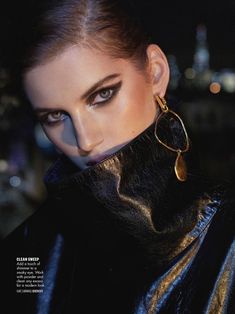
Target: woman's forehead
column 78, row 59
column 72, row 72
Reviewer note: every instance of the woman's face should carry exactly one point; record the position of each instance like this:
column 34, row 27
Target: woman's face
column 90, row 104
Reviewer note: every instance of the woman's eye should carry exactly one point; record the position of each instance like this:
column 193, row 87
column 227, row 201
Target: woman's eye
column 106, row 93
column 103, row 96
column 53, row 117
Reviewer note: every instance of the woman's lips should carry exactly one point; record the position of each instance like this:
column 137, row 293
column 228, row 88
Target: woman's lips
column 93, row 162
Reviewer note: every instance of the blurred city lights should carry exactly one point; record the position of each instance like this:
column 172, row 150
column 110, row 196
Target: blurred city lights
column 227, row 79
column 3, row 165
column 15, row 181
column 190, row 73
column 215, row 87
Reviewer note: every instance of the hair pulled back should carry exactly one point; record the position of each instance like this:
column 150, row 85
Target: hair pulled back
column 53, row 25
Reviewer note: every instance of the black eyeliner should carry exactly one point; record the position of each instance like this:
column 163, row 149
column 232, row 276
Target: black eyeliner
column 116, row 87
column 44, row 118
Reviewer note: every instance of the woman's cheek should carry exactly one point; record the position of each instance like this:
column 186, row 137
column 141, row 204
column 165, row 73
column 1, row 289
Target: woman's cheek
column 54, row 134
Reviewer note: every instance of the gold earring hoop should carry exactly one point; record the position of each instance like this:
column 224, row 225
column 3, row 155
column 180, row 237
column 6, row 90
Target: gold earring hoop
column 180, row 167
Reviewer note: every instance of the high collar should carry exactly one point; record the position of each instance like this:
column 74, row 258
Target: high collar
column 143, row 151
column 139, row 191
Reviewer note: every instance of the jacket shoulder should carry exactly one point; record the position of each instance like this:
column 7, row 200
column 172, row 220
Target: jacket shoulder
column 224, row 195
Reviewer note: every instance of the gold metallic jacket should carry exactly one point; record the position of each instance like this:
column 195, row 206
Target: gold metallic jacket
column 125, row 236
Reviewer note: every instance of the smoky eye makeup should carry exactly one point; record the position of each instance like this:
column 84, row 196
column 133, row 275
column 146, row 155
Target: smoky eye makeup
column 53, row 117
column 104, row 94
column 99, row 98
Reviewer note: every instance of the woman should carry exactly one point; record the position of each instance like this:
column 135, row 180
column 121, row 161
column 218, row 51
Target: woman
column 129, row 225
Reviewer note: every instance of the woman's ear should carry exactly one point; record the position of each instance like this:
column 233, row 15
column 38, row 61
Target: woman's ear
column 158, row 70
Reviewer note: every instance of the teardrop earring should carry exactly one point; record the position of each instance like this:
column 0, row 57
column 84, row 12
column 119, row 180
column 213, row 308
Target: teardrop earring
column 180, row 167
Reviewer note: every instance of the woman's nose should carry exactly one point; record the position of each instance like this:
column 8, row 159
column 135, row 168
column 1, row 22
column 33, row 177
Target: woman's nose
column 88, row 134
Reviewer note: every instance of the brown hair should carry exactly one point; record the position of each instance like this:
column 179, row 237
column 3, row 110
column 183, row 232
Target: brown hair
column 110, row 26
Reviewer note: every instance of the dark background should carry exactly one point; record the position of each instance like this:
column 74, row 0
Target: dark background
column 174, row 23
column 209, row 118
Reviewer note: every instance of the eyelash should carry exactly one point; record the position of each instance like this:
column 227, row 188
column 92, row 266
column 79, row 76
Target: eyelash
column 113, row 88
column 44, row 119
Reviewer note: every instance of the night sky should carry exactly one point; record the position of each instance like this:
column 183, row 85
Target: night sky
column 173, row 24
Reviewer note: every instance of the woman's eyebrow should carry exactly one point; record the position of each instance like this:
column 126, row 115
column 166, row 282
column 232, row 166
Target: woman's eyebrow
column 85, row 95
column 98, row 84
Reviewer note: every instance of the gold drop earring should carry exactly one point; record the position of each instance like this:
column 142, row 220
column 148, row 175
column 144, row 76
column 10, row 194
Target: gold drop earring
column 180, row 167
